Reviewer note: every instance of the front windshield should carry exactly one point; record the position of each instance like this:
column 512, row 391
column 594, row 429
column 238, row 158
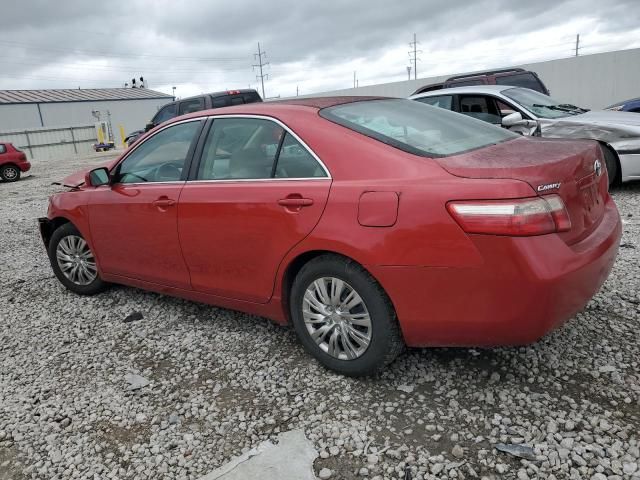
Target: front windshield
column 415, row 127
column 541, row 105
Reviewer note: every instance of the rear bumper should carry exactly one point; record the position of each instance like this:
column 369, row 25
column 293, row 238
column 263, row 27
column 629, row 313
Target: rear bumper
column 525, row 288
column 24, row 166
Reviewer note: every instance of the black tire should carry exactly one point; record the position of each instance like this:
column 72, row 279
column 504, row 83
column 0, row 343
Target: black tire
column 68, row 230
column 611, row 162
column 10, row 173
column 386, row 341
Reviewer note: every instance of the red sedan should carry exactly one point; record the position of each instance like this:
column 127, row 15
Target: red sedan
column 13, row 162
column 367, row 223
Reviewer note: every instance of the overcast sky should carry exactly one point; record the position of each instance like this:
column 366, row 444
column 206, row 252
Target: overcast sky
column 202, row 46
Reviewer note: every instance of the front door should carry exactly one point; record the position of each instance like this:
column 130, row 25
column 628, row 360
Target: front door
column 257, row 193
column 133, row 221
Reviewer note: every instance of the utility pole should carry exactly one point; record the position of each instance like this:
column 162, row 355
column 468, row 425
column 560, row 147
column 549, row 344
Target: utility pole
column 261, row 64
column 297, row 91
column 577, row 44
column 409, row 72
column 354, row 80
column 413, row 55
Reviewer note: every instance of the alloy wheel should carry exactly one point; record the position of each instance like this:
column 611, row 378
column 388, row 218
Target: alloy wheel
column 10, row 173
column 75, row 260
column 337, row 318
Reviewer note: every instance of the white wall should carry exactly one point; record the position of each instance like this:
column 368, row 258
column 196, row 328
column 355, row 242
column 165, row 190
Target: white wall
column 591, row 81
column 18, row 116
column 132, row 114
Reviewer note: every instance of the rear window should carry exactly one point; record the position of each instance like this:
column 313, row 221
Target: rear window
column 415, row 127
column 525, row 80
column 443, row 101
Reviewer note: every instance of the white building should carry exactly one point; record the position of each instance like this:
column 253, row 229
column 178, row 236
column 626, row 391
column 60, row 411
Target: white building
column 591, row 81
column 33, row 109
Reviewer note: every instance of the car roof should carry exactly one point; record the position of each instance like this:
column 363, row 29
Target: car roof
column 488, row 89
column 272, row 108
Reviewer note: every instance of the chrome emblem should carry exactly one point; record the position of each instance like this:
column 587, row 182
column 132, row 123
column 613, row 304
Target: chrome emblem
column 548, row 186
column 597, row 167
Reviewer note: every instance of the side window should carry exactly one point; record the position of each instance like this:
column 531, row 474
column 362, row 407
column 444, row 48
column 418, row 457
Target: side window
column 165, row 113
column 525, row 80
column 218, row 102
column 161, row 158
column 3, row 149
column 295, row 161
column 442, row 101
column 189, row 106
column 240, row 148
column 251, row 97
column 480, row 107
column 464, row 83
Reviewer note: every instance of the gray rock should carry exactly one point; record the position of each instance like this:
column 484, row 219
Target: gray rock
column 520, row 451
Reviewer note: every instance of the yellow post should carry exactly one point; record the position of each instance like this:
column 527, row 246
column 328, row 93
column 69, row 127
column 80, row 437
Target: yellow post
column 122, row 136
column 100, row 134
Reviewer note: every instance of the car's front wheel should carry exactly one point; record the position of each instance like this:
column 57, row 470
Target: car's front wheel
column 10, row 173
column 343, row 317
column 73, row 261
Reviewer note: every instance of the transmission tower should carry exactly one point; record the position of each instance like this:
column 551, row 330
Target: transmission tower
column 261, row 63
column 413, row 55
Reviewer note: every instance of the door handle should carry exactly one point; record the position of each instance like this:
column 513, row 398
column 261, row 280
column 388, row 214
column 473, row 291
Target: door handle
column 295, row 202
column 164, row 202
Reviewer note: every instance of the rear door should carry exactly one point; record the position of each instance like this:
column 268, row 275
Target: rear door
column 257, row 192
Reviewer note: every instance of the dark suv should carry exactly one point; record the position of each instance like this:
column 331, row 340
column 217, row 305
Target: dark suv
column 515, row 77
column 203, row 102
column 195, row 104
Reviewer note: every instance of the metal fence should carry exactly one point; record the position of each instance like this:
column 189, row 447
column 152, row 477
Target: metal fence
column 51, row 143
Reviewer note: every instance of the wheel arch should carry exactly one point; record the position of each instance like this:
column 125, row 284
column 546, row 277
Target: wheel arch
column 300, row 260
column 51, row 225
column 606, row 147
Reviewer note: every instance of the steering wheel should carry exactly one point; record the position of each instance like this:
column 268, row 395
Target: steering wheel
column 168, row 172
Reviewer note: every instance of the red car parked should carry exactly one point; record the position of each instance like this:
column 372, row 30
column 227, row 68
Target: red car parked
column 12, row 162
column 369, row 224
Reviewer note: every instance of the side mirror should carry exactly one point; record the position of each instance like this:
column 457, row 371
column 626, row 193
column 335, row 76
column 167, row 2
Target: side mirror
column 149, row 126
column 97, row 177
column 512, row 119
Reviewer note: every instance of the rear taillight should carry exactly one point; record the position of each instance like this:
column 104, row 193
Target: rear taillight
column 518, row 217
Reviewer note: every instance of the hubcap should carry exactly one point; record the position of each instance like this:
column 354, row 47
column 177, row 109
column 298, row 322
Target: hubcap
column 76, row 260
column 337, row 318
column 10, row 173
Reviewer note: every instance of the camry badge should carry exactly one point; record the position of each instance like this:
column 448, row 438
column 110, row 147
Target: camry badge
column 548, row 186
column 597, row 167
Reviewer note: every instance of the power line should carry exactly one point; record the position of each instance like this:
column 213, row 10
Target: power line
column 261, row 64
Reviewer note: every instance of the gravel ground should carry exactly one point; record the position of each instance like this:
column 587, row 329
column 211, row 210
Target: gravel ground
column 220, row 382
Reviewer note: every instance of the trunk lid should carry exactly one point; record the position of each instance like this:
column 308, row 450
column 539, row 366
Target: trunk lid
column 550, row 166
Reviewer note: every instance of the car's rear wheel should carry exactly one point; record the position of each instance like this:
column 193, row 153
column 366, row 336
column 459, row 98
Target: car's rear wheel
column 343, row 317
column 73, row 261
column 10, row 173
column 611, row 162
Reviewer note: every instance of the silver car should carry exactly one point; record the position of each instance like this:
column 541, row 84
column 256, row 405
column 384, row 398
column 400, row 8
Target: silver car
column 531, row 113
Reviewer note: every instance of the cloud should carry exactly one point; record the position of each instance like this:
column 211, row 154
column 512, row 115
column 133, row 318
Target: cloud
column 202, row 46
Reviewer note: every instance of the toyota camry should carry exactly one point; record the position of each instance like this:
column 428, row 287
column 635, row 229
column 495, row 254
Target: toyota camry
column 369, row 224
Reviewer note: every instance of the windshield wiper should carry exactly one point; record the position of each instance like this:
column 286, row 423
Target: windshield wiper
column 573, row 107
column 559, row 108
